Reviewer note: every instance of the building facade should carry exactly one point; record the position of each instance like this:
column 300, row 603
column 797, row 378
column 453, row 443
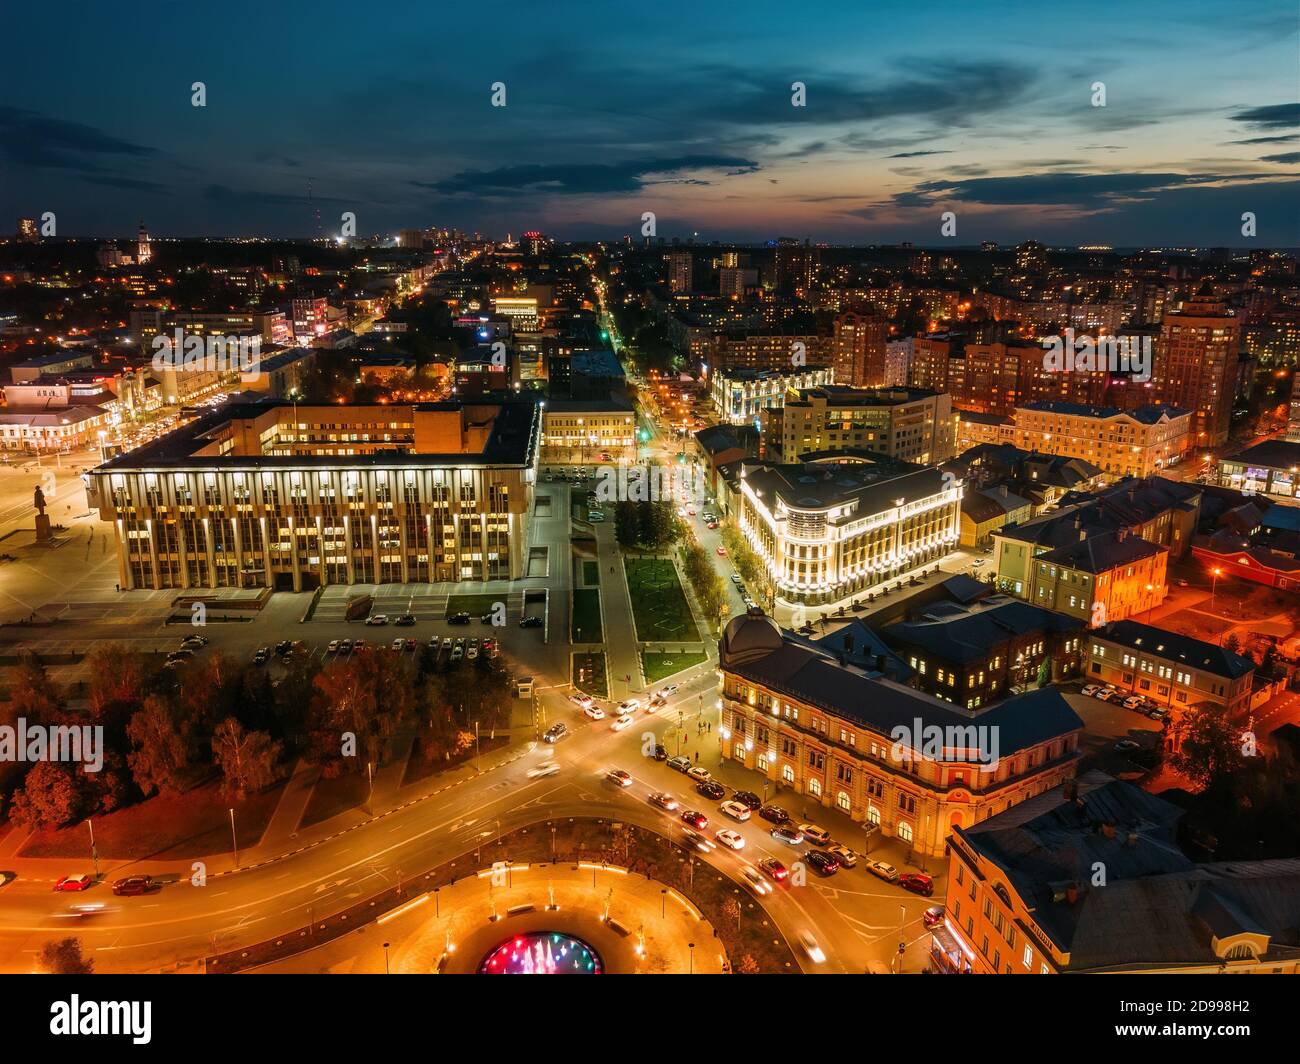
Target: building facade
column 1136, row 443
column 910, row 424
column 290, row 497
column 739, row 395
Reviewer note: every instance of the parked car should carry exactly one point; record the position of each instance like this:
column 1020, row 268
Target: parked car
column 732, row 839
column 1090, row 689
column 701, row 775
column 620, row 777
column 748, row 799
column 663, row 800
column 821, row 862
column 735, row 810
column 1125, row 745
column 405, row 620
column 377, row 618
column 774, row 814
column 194, row 642
column 457, row 653
column 1132, row 702
column 80, row 882
column 711, row 789
column 398, row 644
column 458, row 618
column 660, row 753
column 846, row 857
column 332, row 647
column 1105, row 694
column 917, row 883
column 815, row 834
column 555, row 733
column 133, row 885
column 1157, row 713
column 262, row 656
column 884, row 870
column 787, row 833
column 681, row 764
column 933, row 916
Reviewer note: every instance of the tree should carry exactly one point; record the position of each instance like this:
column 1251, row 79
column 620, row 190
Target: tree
column 247, row 759
column 63, row 957
column 50, row 797
column 627, row 529
column 747, row 965
column 731, row 910
column 1211, row 746
column 364, row 695
column 161, row 749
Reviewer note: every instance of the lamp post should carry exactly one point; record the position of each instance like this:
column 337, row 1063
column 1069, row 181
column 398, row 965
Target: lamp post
column 1217, row 572
column 234, row 839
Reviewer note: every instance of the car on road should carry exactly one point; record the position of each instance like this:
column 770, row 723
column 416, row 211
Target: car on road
column 701, row 774
column 710, row 524
column 669, row 691
column 405, row 620
column 623, row 721
column 134, row 885
column 748, row 799
column 377, row 618
column 630, row 705
column 262, row 656
column 917, row 883
column 681, row 764
column 756, row 882
column 1126, row 745
column 332, row 647
column 774, row 814
column 787, row 833
column 555, row 733
column 81, row 882
column 735, row 579
column 732, row 839
column 619, row 776
column 194, row 642
column 458, row 618
column 7, row 877
column 397, row 644
column 722, row 552
column 1090, row 689
column 711, row 789
column 735, row 810
column 582, row 701
column 846, row 857
column 545, row 768
column 663, row 800
column 933, row 916
column 774, row 868
column 884, row 870
column 594, row 712
column 809, row 945
column 655, row 703
column 660, row 754
column 701, row 842
column 531, row 622
column 695, row 818
column 815, row 834
column 821, row 862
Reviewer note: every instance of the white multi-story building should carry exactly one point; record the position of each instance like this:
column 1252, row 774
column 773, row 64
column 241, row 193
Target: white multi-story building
column 740, row 394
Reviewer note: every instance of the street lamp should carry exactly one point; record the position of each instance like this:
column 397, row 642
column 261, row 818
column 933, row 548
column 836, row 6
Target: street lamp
column 1214, row 584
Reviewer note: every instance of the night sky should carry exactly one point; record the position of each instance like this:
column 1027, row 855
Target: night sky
column 682, row 109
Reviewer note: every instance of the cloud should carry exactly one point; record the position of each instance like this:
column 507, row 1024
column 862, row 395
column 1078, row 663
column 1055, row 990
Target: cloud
column 1284, row 157
column 1273, row 116
column 35, row 140
column 1079, row 190
column 577, row 179
column 917, row 154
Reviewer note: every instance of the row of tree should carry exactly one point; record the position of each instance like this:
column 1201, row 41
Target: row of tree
column 648, row 526
column 710, row 591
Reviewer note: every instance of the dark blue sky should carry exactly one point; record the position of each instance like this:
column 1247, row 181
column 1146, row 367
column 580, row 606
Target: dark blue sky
column 683, row 109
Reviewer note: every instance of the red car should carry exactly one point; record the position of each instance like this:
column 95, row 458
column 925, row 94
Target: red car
column 696, row 819
column 917, row 883
column 722, row 552
column 773, row 868
column 933, row 916
column 75, row 883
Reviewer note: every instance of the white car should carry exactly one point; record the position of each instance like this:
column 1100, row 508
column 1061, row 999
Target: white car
column 617, row 775
column 732, row 839
column 735, row 810
column 333, row 647
column 398, row 644
column 582, row 701
column 594, row 712
column 377, row 618
column 629, row 705
column 1090, row 689
column 884, row 870
column 623, row 721
column 699, row 773
column 546, row 768
column 756, row 881
column 811, row 948
column 663, row 800
column 668, row 691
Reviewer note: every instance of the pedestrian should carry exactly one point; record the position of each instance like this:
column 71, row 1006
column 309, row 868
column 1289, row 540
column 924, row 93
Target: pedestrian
column 697, row 757
column 117, row 587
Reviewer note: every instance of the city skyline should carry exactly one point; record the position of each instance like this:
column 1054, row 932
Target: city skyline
column 942, row 110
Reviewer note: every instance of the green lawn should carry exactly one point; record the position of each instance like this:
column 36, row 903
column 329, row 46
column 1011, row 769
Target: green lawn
column 591, row 573
column 586, row 616
column 589, row 674
column 474, row 605
column 658, row 666
column 658, row 602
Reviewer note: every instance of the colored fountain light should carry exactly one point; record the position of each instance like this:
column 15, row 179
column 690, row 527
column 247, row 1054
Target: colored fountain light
column 542, row 953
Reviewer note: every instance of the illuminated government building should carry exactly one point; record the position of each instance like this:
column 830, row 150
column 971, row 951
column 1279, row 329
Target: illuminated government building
column 292, row 497
column 828, row 529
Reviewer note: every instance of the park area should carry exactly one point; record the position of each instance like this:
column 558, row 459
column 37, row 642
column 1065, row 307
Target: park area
column 658, row 602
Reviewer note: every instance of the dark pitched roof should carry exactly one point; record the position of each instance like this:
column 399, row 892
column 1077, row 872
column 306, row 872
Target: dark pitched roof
column 1274, row 454
column 1183, row 648
column 1101, row 553
column 969, row 633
